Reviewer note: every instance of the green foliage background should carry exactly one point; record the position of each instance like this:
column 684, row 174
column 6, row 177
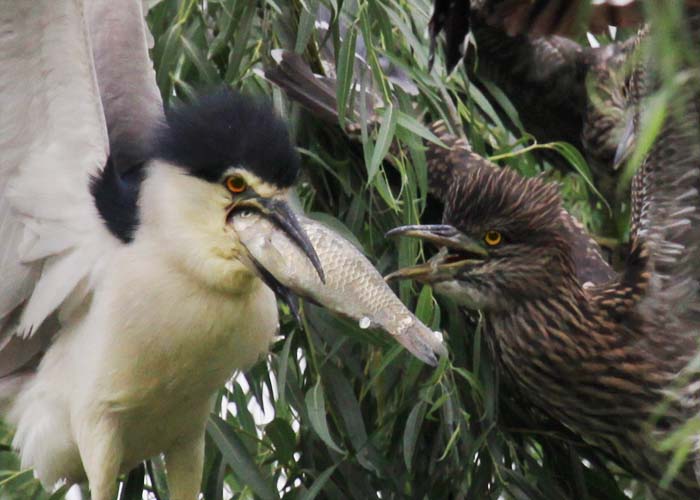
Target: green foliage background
column 347, row 412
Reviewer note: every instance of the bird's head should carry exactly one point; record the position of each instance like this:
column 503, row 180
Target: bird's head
column 501, row 243
column 219, row 155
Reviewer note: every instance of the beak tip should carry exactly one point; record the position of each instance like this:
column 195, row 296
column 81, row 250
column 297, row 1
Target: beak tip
column 321, row 275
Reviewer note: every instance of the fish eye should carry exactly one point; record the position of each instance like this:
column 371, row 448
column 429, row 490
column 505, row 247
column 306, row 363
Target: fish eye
column 493, row 238
column 236, row 184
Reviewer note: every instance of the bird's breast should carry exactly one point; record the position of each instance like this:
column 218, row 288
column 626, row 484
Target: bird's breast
column 172, row 339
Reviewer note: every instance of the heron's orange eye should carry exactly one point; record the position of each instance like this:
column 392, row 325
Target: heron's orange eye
column 493, row 238
column 236, row 184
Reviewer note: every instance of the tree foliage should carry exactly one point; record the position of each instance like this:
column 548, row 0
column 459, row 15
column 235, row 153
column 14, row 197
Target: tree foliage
column 336, row 411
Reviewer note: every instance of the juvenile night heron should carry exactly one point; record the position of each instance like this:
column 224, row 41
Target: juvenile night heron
column 610, row 361
column 124, row 304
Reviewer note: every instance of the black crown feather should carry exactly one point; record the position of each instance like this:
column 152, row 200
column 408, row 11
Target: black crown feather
column 227, row 129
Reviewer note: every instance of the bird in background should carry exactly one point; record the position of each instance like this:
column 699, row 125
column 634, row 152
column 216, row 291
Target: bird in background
column 612, row 362
column 128, row 297
column 570, row 18
column 562, row 90
column 317, row 94
column 129, row 286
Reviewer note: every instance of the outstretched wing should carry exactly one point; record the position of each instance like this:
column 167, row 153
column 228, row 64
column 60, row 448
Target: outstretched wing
column 127, row 82
column 53, row 139
column 562, row 17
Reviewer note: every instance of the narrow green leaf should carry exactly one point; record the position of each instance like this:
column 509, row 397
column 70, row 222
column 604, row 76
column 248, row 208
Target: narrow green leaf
column 170, row 55
column 240, row 42
column 424, row 307
column 384, row 140
column 226, row 25
column 319, row 483
column 236, row 455
column 214, row 487
column 372, row 58
column 199, row 59
column 653, row 119
column 316, row 408
column 411, row 431
column 344, row 70
column 156, row 473
column 133, row 487
column 576, row 160
column 281, row 405
column 306, row 25
column 60, row 493
column 283, row 439
column 344, row 400
column 243, row 416
column 412, row 125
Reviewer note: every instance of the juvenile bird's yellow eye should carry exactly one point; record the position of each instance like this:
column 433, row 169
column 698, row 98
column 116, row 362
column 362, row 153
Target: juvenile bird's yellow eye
column 236, row 184
column 493, row 238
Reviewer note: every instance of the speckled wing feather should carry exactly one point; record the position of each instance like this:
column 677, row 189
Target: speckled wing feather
column 666, row 209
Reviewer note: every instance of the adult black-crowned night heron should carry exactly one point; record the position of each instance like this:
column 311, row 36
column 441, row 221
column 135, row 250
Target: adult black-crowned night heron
column 128, row 298
column 609, row 361
column 128, row 285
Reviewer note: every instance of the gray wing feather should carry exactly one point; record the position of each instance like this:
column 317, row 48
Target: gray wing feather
column 71, row 71
column 126, row 79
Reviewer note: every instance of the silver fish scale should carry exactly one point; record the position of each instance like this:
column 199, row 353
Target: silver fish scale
column 353, row 287
column 350, row 274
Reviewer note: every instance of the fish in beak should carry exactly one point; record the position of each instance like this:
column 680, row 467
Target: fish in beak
column 281, row 214
column 283, row 217
column 458, row 251
column 353, row 287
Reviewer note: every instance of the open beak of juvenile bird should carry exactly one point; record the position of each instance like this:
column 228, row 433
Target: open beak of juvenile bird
column 457, row 253
column 281, row 214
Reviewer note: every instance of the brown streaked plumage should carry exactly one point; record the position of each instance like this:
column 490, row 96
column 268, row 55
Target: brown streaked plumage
column 447, row 166
column 600, row 359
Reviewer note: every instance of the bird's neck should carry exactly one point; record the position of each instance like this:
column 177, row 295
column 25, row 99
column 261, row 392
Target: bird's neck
column 116, row 198
column 183, row 221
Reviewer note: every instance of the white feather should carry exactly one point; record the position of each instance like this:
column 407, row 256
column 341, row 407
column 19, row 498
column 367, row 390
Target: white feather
column 173, row 314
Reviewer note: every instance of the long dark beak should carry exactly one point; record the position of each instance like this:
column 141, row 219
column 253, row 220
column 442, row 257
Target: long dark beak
column 281, row 291
column 281, row 214
column 458, row 251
